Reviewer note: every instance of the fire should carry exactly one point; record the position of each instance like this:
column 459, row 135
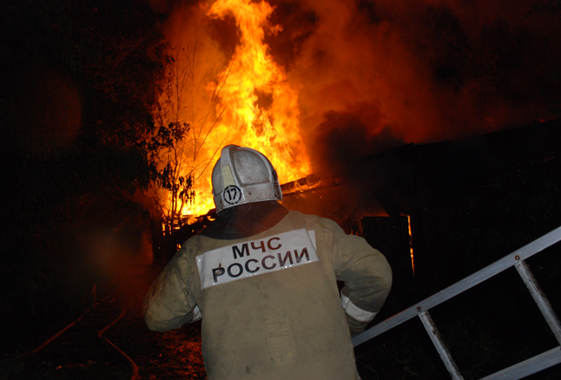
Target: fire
column 254, row 105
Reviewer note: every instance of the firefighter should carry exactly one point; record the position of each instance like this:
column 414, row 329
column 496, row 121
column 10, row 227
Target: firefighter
column 264, row 281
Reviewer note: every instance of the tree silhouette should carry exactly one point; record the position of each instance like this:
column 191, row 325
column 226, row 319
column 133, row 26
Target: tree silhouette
column 186, row 115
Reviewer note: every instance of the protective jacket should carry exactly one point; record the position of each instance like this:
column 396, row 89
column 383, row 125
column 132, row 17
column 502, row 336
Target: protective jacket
column 268, row 295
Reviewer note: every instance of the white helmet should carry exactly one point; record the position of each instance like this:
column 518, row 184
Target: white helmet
column 243, row 175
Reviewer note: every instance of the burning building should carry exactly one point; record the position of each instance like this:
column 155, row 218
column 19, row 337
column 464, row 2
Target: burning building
column 317, row 86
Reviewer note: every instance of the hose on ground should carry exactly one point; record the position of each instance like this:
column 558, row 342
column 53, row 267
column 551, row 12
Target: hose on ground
column 108, row 299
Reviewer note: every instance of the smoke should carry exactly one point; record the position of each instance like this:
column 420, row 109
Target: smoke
column 345, row 137
column 372, row 75
column 418, row 72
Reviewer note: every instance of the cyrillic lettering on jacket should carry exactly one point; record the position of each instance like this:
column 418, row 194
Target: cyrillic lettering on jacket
column 256, row 257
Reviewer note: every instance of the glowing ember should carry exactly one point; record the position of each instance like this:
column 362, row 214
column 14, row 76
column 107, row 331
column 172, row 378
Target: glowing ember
column 411, row 245
column 309, row 183
column 254, row 106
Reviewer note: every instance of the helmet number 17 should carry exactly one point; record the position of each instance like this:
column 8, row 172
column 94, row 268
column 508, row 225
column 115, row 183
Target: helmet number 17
column 232, row 194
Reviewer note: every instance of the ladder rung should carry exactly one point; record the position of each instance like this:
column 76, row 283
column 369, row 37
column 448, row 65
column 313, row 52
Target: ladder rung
column 436, row 339
column 540, row 298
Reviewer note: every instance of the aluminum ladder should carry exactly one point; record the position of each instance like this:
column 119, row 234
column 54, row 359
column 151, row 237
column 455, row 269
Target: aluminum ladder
column 517, row 259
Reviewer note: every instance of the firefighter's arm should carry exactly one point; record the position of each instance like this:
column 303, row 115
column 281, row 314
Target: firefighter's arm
column 168, row 304
column 367, row 277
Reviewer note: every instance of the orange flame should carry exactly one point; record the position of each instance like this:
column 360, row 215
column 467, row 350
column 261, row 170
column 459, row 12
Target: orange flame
column 254, row 105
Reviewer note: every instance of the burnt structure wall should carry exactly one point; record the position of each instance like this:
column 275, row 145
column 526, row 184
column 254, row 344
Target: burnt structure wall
column 471, row 201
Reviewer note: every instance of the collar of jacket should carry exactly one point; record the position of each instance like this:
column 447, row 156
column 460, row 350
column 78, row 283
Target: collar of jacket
column 245, row 220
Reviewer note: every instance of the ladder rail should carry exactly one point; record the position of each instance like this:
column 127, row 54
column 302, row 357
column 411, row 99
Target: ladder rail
column 529, row 366
column 515, row 259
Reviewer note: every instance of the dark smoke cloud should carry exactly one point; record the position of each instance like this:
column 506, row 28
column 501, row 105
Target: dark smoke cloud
column 343, row 138
column 435, row 69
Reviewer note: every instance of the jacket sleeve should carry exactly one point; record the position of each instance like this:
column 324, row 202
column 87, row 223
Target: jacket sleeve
column 366, row 274
column 169, row 304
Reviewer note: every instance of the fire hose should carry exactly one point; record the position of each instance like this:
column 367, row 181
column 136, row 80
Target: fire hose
column 108, row 299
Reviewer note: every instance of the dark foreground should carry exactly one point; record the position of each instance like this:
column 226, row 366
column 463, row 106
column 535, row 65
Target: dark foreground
column 79, row 352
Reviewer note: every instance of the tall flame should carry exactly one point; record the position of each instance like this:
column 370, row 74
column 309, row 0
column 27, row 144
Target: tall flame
column 255, row 106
